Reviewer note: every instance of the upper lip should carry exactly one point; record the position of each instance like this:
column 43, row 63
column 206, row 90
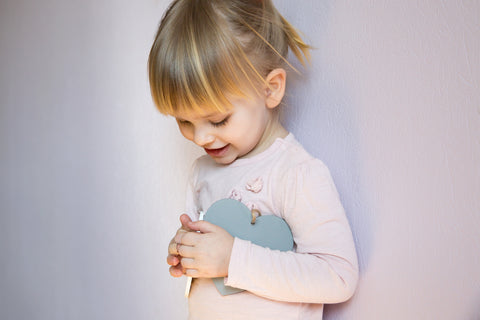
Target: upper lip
column 213, row 149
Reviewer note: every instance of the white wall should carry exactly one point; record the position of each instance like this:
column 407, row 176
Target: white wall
column 392, row 104
column 91, row 176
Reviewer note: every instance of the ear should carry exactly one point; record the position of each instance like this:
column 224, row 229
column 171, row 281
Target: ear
column 275, row 87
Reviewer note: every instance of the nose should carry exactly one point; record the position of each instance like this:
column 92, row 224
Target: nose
column 203, row 137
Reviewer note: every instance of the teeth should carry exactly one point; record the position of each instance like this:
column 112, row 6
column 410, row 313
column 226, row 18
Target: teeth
column 213, row 149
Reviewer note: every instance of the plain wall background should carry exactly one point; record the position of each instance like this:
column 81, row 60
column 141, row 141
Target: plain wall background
column 92, row 177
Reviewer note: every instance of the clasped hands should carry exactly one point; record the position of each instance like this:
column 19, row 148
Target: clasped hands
column 199, row 249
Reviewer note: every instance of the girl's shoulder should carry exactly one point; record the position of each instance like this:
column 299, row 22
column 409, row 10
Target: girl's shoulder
column 295, row 157
column 297, row 167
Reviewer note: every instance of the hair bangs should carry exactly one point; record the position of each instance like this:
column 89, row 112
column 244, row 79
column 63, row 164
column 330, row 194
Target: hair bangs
column 199, row 73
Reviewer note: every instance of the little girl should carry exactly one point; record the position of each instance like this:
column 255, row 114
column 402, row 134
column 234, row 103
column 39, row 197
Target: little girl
column 218, row 67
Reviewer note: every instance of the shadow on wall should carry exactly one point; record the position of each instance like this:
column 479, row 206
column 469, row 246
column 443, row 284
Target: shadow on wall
column 320, row 113
column 321, row 116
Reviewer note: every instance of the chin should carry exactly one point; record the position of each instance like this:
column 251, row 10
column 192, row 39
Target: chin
column 225, row 160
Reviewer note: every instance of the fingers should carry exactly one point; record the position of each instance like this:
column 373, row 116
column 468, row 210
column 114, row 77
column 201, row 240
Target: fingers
column 202, row 226
column 183, row 247
column 189, row 267
column 183, row 267
column 173, row 260
column 192, row 273
column 188, row 238
column 193, row 238
column 186, row 252
column 185, row 220
column 188, row 263
column 176, row 271
column 172, row 248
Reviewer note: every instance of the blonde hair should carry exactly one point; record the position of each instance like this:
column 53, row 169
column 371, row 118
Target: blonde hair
column 205, row 50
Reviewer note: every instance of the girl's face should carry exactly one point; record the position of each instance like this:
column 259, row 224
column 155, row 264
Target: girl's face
column 241, row 131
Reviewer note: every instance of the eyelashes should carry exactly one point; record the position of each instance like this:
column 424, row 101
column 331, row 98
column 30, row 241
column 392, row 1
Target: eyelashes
column 186, row 123
column 220, row 123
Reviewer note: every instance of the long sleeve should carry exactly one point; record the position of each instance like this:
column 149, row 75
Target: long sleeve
column 323, row 267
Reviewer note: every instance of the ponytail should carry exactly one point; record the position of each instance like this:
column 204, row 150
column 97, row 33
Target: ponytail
column 300, row 49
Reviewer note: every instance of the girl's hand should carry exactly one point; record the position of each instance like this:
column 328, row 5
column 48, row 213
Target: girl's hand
column 205, row 254
column 173, row 258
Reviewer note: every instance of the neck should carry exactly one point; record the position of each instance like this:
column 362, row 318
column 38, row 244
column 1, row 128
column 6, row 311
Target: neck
column 273, row 130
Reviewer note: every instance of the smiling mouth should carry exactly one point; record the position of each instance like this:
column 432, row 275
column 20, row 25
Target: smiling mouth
column 217, row 152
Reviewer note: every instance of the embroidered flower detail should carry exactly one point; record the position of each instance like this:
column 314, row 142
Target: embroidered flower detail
column 255, row 185
column 235, row 195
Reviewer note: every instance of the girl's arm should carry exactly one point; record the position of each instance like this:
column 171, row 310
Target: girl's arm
column 323, row 268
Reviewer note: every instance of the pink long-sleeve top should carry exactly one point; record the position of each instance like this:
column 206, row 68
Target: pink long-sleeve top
column 288, row 182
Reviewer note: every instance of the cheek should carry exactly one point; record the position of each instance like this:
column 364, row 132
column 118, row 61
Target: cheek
column 187, row 132
column 254, row 123
column 247, row 127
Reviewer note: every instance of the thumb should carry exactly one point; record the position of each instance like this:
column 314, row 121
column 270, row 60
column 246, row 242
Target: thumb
column 202, row 226
column 185, row 220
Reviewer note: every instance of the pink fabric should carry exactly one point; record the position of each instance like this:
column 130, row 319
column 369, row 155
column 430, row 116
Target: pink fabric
column 286, row 181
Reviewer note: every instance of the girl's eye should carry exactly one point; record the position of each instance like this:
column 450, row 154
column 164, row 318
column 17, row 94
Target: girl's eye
column 220, row 123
